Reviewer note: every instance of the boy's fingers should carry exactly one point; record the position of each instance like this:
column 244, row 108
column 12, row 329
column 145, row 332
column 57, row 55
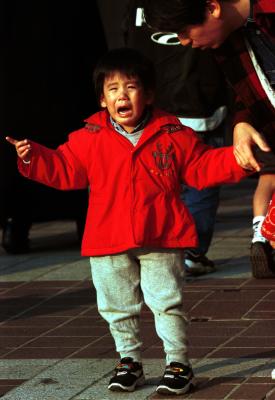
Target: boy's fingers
column 18, row 143
column 11, row 140
column 25, row 155
column 24, row 148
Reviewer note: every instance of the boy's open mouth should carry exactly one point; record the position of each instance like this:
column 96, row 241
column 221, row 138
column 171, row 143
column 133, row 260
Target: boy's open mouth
column 124, row 111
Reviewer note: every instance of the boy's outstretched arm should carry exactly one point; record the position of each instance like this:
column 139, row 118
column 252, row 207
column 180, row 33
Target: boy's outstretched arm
column 22, row 147
column 60, row 168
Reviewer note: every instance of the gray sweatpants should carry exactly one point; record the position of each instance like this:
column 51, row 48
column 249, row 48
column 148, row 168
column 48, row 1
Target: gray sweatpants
column 154, row 276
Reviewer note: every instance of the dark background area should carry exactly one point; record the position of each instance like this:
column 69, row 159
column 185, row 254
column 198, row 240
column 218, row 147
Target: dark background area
column 48, row 52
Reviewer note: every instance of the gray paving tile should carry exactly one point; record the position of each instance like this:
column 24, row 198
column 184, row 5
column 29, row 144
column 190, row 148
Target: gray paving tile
column 87, row 379
column 47, row 267
column 47, row 391
column 229, row 367
column 78, row 270
column 7, row 261
column 99, row 391
column 23, row 369
column 63, row 380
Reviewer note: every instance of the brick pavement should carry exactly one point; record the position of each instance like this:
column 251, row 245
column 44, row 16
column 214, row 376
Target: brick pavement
column 55, row 346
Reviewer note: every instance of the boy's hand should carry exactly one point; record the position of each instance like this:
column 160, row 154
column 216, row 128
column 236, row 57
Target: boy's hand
column 245, row 137
column 22, row 147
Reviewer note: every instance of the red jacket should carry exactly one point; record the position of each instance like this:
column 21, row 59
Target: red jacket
column 134, row 191
column 252, row 104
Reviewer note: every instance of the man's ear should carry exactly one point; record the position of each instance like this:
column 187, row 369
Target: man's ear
column 214, row 8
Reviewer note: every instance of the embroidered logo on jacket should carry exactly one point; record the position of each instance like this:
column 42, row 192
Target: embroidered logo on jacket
column 163, row 159
column 92, row 127
column 171, row 128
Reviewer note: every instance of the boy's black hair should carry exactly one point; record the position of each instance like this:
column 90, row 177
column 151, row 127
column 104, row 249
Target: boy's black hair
column 127, row 61
column 174, row 15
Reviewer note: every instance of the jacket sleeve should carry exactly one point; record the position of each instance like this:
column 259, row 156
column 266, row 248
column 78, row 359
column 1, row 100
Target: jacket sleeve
column 241, row 113
column 60, row 168
column 204, row 166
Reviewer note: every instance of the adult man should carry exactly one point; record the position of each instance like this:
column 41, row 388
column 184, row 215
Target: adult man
column 242, row 36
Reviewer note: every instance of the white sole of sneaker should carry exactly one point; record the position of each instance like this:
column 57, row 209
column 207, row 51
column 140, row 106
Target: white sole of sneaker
column 162, row 389
column 118, row 387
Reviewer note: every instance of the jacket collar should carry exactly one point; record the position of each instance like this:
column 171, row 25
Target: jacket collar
column 159, row 118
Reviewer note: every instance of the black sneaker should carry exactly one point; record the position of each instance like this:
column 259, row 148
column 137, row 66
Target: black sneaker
column 262, row 261
column 177, row 379
column 197, row 264
column 128, row 375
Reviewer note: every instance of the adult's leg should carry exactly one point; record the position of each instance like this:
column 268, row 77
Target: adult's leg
column 16, row 203
column 203, row 205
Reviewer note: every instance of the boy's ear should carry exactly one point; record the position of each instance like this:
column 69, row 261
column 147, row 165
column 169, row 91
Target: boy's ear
column 103, row 102
column 214, row 8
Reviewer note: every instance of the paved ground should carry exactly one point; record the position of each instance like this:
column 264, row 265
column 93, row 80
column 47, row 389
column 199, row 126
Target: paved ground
column 54, row 345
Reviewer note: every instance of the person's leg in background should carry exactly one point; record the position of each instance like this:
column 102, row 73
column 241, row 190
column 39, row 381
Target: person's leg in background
column 203, row 205
column 15, row 205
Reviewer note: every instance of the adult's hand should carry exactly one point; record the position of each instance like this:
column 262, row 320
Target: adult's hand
column 244, row 138
column 22, row 147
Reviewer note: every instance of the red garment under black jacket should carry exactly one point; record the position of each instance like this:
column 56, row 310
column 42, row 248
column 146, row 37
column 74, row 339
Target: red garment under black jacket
column 252, row 104
column 134, row 191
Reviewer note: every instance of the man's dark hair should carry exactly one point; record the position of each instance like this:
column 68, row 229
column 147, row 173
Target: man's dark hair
column 127, row 61
column 173, row 15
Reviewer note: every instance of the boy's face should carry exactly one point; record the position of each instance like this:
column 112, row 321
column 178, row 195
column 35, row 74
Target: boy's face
column 211, row 34
column 125, row 99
